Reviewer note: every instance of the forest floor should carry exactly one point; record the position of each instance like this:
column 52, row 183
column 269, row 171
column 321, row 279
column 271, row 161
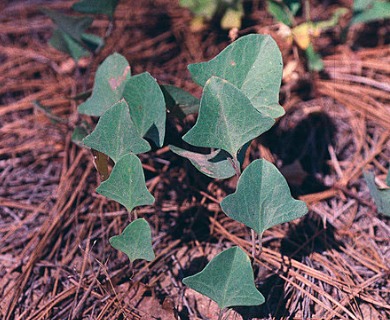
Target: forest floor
column 55, row 258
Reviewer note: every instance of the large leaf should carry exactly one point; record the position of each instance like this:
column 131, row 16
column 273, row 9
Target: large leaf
column 227, row 119
column 126, row 184
column 381, row 196
column 71, row 25
column 368, row 11
column 147, row 106
column 135, row 241
column 106, row 7
column 262, row 199
column 115, row 134
column 180, row 103
column 110, row 80
column 217, row 164
column 228, row 280
column 253, row 64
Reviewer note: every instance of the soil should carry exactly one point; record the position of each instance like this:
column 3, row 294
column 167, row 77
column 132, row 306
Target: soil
column 55, row 257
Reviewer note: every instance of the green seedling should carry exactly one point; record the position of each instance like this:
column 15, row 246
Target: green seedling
column 227, row 13
column 302, row 34
column 71, row 37
column 106, row 7
column 380, row 195
column 239, row 102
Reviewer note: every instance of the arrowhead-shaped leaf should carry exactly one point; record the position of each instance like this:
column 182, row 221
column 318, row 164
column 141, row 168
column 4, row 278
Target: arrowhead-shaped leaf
column 227, row 119
column 262, row 199
column 115, row 134
column 106, row 7
column 381, row 196
column 71, row 25
column 147, row 106
column 228, row 280
column 126, row 184
column 179, row 102
column 110, row 80
column 135, row 241
column 253, row 64
column 64, row 43
column 217, row 164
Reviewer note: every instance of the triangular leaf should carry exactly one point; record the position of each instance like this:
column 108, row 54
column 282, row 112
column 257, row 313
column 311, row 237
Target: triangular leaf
column 106, row 7
column 110, row 80
column 115, row 134
column 180, row 103
column 217, row 164
column 253, row 64
column 135, row 241
column 147, row 106
column 228, row 280
column 381, row 196
column 64, row 43
column 227, row 119
column 126, row 184
column 71, row 25
column 262, row 199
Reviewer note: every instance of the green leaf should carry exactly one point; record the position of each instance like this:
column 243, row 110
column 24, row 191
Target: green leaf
column 204, row 8
column 381, row 196
column 280, row 12
column 227, row 119
column 93, row 42
column 115, row 134
column 71, row 25
column 375, row 10
column 110, row 80
column 135, row 241
column 106, row 7
column 253, row 64
column 64, row 43
column 217, row 164
column 147, row 106
column 180, row 103
column 262, row 199
column 126, row 184
column 228, row 280
column 79, row 133
column 314, row 60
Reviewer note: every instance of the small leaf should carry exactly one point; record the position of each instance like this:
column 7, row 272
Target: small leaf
column 314, row 60
column 204, row 8
column 180, row 103
column 110, row 80
column 79, row 133
column 71, row 25
column 126, row 184
column 115, row 134
column 227, row 119
column 217, row 164
column 252, row 63
column 280, row 12
column 262, row 199
column 232, row 18
column 228, row 280
column 147, row 106
column 135, row 241
column 381, row 196
column 64, row 43
column 93, row 42
column 106, row 7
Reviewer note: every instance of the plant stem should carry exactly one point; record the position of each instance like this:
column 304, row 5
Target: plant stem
column 253, row 237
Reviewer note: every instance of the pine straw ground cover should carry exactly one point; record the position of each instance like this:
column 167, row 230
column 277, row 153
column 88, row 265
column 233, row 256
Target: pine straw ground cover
column 55, row 258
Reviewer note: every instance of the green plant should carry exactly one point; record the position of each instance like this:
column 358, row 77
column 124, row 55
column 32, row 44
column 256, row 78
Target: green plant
column 227, row 13
column 370, row 10
column 239, row 103
column 70, row 35
column 285, row 12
